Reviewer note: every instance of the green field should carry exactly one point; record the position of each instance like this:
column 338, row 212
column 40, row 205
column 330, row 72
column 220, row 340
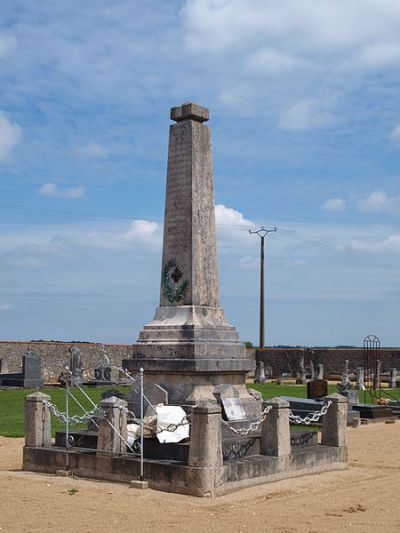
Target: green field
column 12, row 402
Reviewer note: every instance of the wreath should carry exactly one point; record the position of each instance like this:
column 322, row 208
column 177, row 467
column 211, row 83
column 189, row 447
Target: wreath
column 173, row 288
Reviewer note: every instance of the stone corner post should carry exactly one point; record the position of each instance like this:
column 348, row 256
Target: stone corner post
column 112, row 428
column 37, row 421
column 275, row 432
column 335, row 421
column 205, row 449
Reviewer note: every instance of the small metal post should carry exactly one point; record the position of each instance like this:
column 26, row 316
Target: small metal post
column 141, row 424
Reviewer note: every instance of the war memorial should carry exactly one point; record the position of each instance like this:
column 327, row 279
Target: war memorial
column 196, row 428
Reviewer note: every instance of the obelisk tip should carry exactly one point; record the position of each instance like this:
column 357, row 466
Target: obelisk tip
column 190, row 111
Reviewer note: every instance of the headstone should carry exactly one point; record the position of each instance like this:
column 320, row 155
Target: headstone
column 393, row 378
column 31, row 370
column 260, row 374
column 360, row 385
column 301, row 378
column 320, row 371
column 268, row 371
column 233, row 408
column 102, row 371
column 3, row 366
column 153, row 394
column 317, row 388
column 75, row 365
column 352, row 397
column 345, row 383
column 312, row 369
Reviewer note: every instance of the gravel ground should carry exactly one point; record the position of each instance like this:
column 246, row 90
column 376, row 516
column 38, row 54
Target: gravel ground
column 363, row 498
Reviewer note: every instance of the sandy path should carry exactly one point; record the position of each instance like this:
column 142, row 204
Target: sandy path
column 363, row 498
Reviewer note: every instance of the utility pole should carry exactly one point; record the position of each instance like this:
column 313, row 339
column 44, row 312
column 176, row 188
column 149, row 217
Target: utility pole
column 262, row 233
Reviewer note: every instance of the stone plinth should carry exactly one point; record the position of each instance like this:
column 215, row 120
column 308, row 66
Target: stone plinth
column 189, row 348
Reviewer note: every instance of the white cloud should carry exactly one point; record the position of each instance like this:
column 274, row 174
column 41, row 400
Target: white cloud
column 139, row 233
column 5, row 307
column 379, row 55
column 334, row 204
column 226, row 216
column 7, row 44
column 395, row 135
column 268, row 60
column 51, row 189
column 10, row 136
column 380, row 201
column 218, row 25
column 93, row 149
column 389, row 245
column 307, row 114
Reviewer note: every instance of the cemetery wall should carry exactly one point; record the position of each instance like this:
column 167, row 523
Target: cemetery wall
column 55, row 356
column 333, row 359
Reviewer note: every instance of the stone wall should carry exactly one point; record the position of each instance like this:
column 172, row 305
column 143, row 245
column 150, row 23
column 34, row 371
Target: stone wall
column 55, row 356
column 333, row 359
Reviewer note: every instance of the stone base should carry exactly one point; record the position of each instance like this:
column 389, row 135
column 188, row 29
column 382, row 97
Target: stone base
column 191, row 337
column 190, row 388
column 178, row 477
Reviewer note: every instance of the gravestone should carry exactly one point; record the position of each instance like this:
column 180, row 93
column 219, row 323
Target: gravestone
column 260, row 373
column 319, row 374
column 317, row 388
column 102, row 371
column 31, row 375
column 75, row 365
column 31, row 370
column 3, row 366
column 360, row 385
column 189, row 348
column 393, row 378
column 301, row 377
column 153, row 394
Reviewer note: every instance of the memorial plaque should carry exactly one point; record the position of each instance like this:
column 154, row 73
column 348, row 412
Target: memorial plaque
column 317, row 388
column 233, row 408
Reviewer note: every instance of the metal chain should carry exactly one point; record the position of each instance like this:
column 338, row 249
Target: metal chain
column 252, row 427
column 173, row 427
column 307, row 420
column 89, row 415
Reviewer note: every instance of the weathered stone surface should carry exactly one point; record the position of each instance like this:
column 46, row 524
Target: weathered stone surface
column 335, row 422
column 37, row 421
column 205, row 438
column 190, row 111
column 189, row 334
column 275, row 435
column 317, row 388
column 112, row 428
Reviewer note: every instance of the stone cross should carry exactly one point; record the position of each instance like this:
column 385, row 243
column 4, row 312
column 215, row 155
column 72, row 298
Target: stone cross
column 301, row 373
column 320, row 371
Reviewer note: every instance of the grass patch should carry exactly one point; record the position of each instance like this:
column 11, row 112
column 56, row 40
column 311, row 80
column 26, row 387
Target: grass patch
column 12, row 406
column 12, row 402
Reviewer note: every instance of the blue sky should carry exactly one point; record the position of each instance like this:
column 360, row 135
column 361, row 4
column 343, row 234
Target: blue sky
column 305, row 120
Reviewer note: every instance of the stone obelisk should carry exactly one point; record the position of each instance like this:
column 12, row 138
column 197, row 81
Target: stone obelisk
column 189, row 348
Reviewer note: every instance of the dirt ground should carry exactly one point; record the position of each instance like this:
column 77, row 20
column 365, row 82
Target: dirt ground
column 363, row 498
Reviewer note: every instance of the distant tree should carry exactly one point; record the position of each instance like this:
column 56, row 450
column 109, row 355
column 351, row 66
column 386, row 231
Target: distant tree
column 248, row 344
